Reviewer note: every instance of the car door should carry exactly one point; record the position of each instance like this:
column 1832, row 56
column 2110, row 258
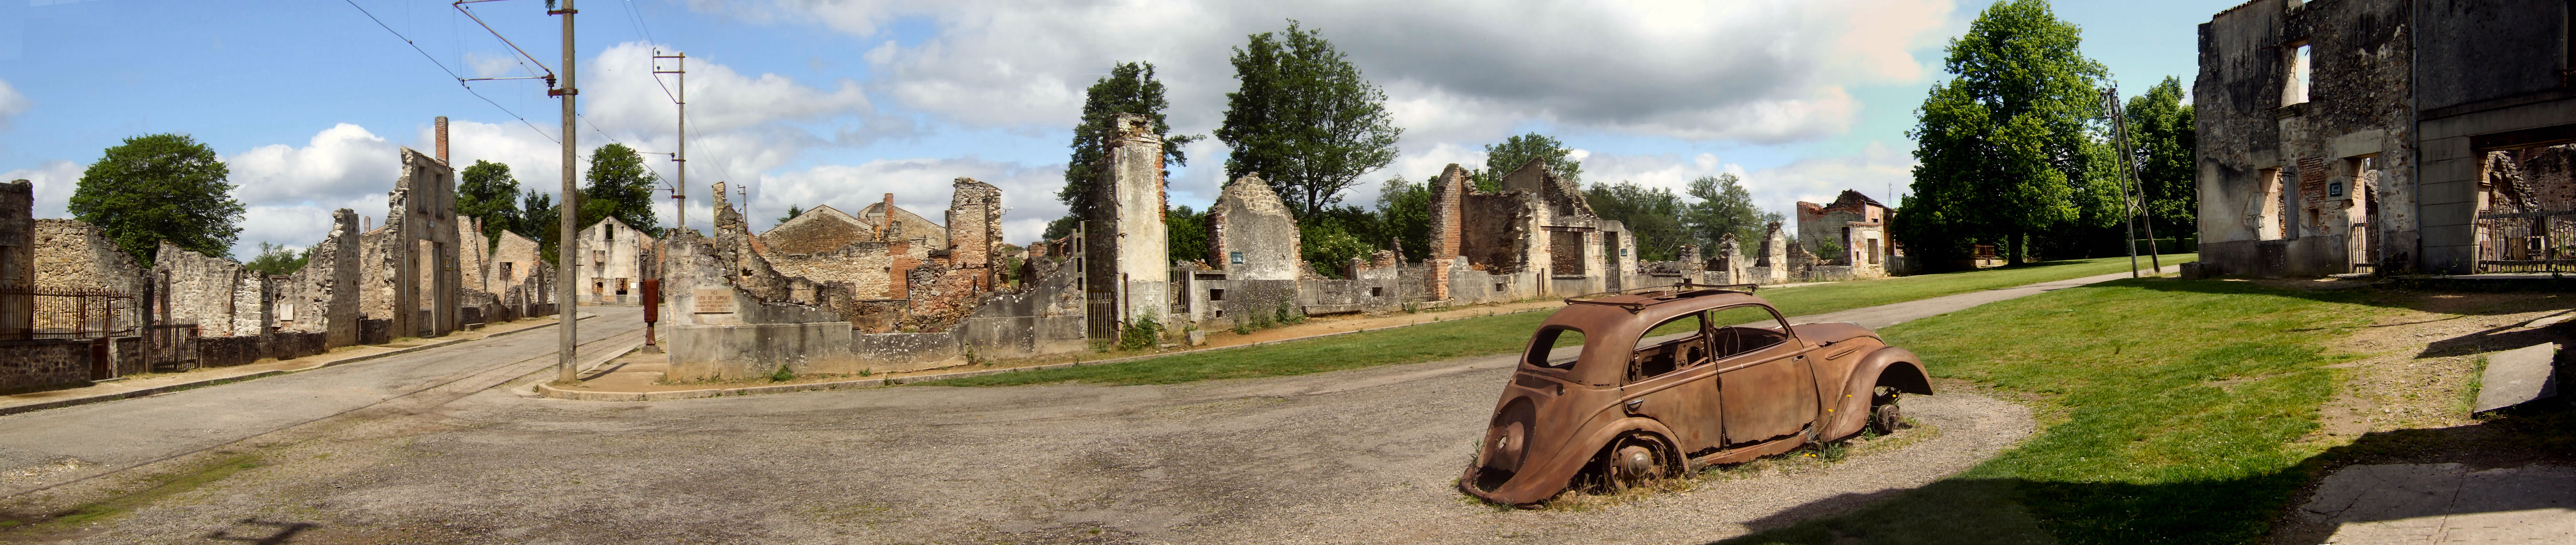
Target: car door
column 1765, row 389
column 1669, row 380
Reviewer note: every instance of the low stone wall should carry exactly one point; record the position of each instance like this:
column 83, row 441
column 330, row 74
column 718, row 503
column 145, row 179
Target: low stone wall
column 44, row 364
column 1015, row 336
column 890, row 352
column 704, row 352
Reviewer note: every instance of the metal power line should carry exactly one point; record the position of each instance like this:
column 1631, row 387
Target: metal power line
column 451, row 73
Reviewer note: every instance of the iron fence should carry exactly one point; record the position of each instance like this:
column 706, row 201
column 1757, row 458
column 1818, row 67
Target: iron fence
column 2543, row 241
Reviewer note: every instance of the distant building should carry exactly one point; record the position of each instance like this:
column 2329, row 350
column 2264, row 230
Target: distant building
column 610, row 264
column 1855, row 224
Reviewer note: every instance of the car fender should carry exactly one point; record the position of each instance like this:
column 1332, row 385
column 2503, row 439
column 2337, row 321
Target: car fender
column 1537, row 483
column 1852, row 410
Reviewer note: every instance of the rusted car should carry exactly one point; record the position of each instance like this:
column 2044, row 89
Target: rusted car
column 1623, row 388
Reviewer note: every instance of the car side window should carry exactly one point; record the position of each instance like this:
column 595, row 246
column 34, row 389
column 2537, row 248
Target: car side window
column 1676, row 344
column 1743, row 329
column 1549, row 339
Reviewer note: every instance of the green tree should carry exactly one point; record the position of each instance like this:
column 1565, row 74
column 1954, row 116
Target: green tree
column 487, row 192
column 1304, row 119
column 792, row 212
column 1504, row 158
column 619, row 187
column 1186, row 235
column 159, row 187
column 1328, row 239
column 1652, row 215
column 1404, row 211
column 1724, row 206
column 2162, row 133
column 540, row 221
column 275, row 259
column 1130, row 88
column 2003, row 146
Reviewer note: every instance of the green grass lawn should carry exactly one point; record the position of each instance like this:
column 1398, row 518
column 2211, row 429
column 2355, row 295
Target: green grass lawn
column 2168, row 409
column 1507, row 333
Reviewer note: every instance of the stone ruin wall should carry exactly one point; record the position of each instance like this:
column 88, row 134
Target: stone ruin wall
column 72, row 255
column 203, row 290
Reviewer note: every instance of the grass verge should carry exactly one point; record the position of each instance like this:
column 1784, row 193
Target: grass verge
column 1507, row 333
column 170, row 485
column 2169, row 413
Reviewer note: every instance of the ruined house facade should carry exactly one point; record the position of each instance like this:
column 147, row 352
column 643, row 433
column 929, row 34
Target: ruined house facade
column 1857, row 227
column 611, row 264
column 2387, row 135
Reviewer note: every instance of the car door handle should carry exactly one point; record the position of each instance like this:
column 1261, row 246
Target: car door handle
column 1635, row 404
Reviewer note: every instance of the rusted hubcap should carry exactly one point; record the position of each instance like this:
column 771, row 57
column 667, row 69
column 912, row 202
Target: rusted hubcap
column 1634, row 464
column 1885, row 418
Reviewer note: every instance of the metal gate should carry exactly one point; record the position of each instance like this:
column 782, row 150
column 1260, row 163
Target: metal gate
column 2543, row 241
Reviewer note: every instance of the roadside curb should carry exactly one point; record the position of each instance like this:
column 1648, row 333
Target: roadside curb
column 553, row 392
column 157, row 390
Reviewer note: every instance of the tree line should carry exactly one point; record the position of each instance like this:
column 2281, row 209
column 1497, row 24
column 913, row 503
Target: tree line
column 166, row 186
column 1306, row 120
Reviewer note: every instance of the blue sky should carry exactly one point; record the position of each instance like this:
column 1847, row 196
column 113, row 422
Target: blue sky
column 824, row 102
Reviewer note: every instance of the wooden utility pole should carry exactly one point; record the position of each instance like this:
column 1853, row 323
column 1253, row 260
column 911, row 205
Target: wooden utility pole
column 2128, row 179
column 567, row 216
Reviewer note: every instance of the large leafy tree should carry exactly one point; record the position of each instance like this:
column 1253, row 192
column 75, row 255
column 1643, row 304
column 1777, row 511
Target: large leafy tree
column 2006, row 143
column 487, row 192
column 1130, row 88
column 1304, row 119
column 1501, row 159
column 1723, row 206
column 2162, row 134
column 620, row 187
column 159, row 187
column 274, row 259
column 1652, row 214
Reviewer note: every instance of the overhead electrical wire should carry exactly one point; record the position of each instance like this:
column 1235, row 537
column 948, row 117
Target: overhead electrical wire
column 451, row 73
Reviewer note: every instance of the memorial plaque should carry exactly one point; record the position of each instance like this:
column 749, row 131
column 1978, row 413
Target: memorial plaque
column 714, row 301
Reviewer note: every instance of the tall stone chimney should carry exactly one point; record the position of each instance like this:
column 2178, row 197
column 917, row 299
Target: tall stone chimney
column 442, row 139
column 885, row 223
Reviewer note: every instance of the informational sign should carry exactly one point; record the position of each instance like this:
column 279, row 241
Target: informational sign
column 714, row 301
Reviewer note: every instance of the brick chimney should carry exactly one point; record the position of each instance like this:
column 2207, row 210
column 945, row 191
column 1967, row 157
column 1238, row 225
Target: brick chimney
column 885, row 222
column 442, row 138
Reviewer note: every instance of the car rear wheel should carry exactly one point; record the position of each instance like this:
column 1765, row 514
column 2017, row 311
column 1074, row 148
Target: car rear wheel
column 1884, row 415
column 1634, row 461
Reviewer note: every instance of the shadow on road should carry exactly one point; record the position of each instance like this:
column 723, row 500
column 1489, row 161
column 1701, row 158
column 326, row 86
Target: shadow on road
column 277, row 533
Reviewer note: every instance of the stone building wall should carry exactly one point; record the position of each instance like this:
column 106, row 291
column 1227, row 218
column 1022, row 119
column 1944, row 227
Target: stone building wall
column 867, row 266
column 323, row 296
column 610, row 264
column 202, row 290
column 1251, row 233
column 819, row 230
column 40, row 364
column 74, row 256
column 903, row 225
column 1129, row 259
column 17, row 259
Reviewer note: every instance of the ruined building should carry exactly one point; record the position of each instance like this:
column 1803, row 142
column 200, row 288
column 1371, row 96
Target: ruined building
column 1857, row 227
column 1126, row 264
column 2389, row 135
column 611, row 263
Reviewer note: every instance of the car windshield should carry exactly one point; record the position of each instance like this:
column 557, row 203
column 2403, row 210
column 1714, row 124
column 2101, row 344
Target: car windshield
column 1543, row 347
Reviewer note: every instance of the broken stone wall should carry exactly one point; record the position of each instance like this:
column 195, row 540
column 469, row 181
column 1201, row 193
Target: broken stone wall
column 1129, row 277
column 323, row 296
column 74, row 256
column 2282, row 181
column 201, row 290
column 904, row 225
column 819, row 230
column 1251, row 233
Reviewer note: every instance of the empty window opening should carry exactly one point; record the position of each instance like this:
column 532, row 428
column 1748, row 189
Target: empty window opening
column 1656, row 355
column 1873, row 251
column 1377, row 291
column 607, row 234
column 1498, row 287
column 621, row 286
column 505, row 270
column 1548, row 340
column 1216, row 295
column 2295, row 90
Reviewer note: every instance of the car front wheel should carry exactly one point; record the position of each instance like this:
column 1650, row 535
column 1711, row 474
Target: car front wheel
column 1884, row 415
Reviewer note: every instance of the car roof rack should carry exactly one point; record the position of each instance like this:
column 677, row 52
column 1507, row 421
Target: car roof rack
column 1638, row 298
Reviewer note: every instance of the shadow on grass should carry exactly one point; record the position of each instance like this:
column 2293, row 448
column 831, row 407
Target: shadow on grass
column 2238, row 510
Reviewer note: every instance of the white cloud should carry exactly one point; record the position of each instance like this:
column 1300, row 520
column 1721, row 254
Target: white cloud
column 11, row 103
column 1873, row 171
column 54, row 184
column 1759, row 72
column 339, row 163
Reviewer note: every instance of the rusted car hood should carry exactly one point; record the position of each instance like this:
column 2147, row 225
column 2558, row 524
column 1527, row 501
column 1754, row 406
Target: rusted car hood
column 1831, row 332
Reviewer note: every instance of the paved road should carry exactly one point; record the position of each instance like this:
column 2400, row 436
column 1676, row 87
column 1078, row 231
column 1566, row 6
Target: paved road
column 1366, row 455
column 84, row 440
